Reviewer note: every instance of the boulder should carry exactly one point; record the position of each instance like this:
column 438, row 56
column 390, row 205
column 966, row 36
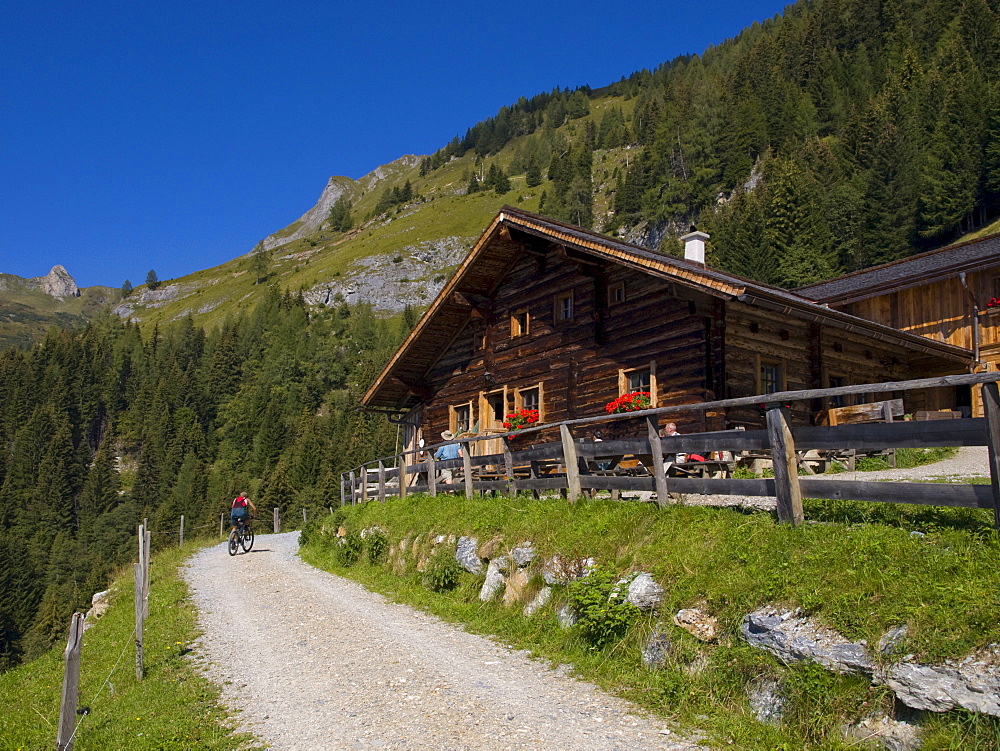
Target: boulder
column 698, row 623
column 467, row 555
column 644, row 592
column 539, row 601
column 517, row 583
column 559, row 570
column 767, row 700
column 566, row 616
column 494, row 582
column 972, row 683
column 657, row 649
column 523, row 554
column 894, row 735
column 792, row 639
column 891, row 640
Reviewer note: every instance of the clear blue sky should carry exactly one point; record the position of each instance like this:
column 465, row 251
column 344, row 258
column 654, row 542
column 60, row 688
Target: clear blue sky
column 139, row 135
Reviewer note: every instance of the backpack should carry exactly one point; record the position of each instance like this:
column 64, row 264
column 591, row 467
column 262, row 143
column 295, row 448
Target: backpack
column 239, row 502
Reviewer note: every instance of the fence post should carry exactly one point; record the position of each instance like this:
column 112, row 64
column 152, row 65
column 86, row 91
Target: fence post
column 343, row 491
column 145, row 575
column 432, row 483
column 137, row 572
column 401, row 474
column 467, row 467
column 656, row 450
column 304, row 520
column 508, row 463
column 221, row 525
column 786, row 475
column 276, row 519
column 572, row 462
column 71, row 684
column 354, row 484
column 180, row 543
column 991, row 410
column 364, row 484
column 381, row 481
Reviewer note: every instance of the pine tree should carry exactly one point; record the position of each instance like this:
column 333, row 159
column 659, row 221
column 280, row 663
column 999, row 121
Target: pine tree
column 152, row 280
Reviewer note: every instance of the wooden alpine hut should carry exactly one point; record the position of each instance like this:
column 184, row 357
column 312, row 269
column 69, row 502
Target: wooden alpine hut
column 544, row 315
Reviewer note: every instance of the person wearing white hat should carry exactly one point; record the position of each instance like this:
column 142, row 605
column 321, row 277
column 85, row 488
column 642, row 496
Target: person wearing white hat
column 449, row 451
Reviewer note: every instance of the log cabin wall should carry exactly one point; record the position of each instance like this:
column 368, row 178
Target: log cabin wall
column 622, row 321
column 942, row 310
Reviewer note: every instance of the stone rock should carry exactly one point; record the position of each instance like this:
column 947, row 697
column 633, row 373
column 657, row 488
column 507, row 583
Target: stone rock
column 494, row 582
column 517, row 582
column 891, row 640
column 99, row 605
column 767, row 700
column 644, row 592
column 894, row 735
column 467, row 555
column 657, row 649
column 698, row 623
column 523, row 554
column 57, row 283
column 559, row 570
column 489, row 549
column 972, row 684
column 792, row 639
column 538, row 602
column 566, row 616
column 503, row 564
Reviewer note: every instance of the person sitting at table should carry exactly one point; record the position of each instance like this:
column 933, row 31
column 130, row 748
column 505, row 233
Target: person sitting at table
column 451, row 451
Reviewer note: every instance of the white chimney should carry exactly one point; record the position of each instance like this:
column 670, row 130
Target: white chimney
column 694, row 246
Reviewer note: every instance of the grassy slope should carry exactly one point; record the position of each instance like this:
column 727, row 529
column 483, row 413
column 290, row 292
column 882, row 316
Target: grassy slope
column 25, row 315
column 174, row 707
column 859, row 578
column 321, row 257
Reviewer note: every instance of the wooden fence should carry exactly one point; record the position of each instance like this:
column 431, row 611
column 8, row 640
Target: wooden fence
column 573, row 465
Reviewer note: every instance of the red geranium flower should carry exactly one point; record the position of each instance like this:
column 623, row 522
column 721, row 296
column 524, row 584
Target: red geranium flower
column 629, row 403
column 517, row 420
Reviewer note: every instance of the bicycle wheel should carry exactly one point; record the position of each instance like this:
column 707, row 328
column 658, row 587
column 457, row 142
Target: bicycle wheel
column 247, row 541
column 234, row 543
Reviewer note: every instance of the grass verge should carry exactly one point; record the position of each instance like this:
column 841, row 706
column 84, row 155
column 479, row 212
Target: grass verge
column 861, row 579
column 174, row 707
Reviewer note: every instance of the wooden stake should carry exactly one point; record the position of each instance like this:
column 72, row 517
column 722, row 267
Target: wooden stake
column 381, row 481
column 786, row 476
column 304, row 520
column 508, row 462
column 991, row 411
column 364, row 484
column 401, row 475
column 572, row 462
column 180, row 543
column 276, row 519
column 467, row 467
column 432, row 483
column 137, row 571
column 71, row 684
column 656, row 450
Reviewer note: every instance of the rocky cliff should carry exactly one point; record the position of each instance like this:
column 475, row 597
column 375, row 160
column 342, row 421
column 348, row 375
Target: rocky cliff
column 57, row 283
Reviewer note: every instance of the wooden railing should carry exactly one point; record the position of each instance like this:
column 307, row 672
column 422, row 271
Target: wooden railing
column 572, row 466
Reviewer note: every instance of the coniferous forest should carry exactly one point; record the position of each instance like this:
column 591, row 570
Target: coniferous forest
column 102, row 428
column 843, row 134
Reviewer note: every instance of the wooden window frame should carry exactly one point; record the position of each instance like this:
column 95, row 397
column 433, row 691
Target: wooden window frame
column 558, row 308
column 484, row 405
column 519, row 398
column 760, row 362
column 453, row 416
column 516, row 327
column 614, row 298
column 623, row 376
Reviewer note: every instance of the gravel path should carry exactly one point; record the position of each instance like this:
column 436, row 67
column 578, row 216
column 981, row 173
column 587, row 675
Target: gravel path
column 315, row 661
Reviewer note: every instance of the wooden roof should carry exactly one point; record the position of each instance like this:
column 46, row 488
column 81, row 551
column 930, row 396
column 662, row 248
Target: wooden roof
column 402, row 382
column 973, row 255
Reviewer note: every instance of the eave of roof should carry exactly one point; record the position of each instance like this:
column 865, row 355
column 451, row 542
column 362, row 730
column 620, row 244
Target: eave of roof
column 906, row 272
column 681, row 271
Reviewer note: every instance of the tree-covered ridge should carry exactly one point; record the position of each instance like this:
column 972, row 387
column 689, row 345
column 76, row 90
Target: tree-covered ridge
column 842, row 134
column 105, row 427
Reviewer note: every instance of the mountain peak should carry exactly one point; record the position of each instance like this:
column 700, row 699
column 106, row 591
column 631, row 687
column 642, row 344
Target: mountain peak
column 57, row 283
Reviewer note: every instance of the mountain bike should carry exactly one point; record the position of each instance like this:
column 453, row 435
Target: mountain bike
column 241, row 537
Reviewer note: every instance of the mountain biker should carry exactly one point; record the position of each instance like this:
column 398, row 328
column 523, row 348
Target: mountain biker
column 238, row 511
